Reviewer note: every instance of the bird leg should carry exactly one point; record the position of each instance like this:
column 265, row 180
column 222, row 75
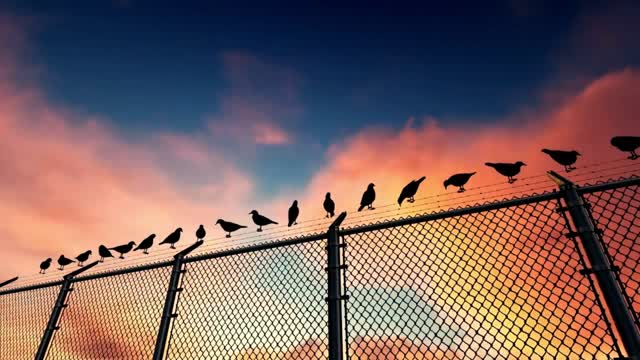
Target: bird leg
column 173, row 246
column 146, row 251
column 633, row 156
column 568, row 168
column 461, row 190
column 61, row 268
column 121, row 256
column 79, row 264
column 260, row 229
column 512, row 180
column 411, row 200
column 101, row 259
column 370, row 207
column 228, row 235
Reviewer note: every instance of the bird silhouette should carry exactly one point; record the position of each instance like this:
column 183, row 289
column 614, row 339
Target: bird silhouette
column 628, row 144
column 409, row 191
column 368, row 198
column 564, row 158
column 294, row 211
column 329, row 205
column 201, row 233
column 146, row 244
column 172, row 238
column 229, row 227
column 45, row 265
column 458, row 180
column 260, row 220
column 507, row 169
column 83, row 257
column 63, row 261
column 123, row 249
column 104, row 253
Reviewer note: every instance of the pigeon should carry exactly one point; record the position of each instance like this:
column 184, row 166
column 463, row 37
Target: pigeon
column 368, row 198
column 229, row 227
column 45, row 265
column 172, row 238
column 123, row 249
column 83, row 257
column 146, row 244
column 507, row 169
column 63, row 261
column 104, row 253
column 410, row 190
column 627, row 143
column 260, row 220
column 329, row 205
column 201, row 233
column 458, row 180
column 564, row 158
column 294, row 211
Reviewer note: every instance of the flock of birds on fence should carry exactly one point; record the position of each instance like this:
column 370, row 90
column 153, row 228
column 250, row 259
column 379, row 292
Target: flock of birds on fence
column 565, row 158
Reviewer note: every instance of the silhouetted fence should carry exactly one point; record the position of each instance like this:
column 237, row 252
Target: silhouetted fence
column 552, row 275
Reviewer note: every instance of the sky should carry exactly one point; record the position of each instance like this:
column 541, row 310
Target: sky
column 122, row 118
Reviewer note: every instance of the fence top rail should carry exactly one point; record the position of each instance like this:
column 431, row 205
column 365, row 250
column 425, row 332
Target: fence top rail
column 31, row 287
column 609, row 185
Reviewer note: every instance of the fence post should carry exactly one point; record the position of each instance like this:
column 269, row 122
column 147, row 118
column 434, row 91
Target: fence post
column 60, row 304
column 603, row 270
column 334, row 290
column 5, row 283
column 170, row 301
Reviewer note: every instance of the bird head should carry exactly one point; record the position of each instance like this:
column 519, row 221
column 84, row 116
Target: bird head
column 219, row 221
column 89, row 252
column 421, row 179
column 546, row 151
column 152, row 236
column 446, row 183
column 61, row 257
column 400, row 200
column 520, row 163
column 253, row 212
column 48, row 260
column 328, row 195
column 295, row 202
column 371, row 186
column 102, row 247
column 178, row 230
column 575, row 153
column 131, row 243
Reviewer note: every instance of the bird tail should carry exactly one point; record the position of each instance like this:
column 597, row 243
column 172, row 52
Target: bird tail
column 361, row 207
column 273, row 222
column 290, row 223
column 546, row 151
column 400, row 200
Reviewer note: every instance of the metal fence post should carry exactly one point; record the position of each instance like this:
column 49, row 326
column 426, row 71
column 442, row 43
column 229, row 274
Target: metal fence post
column 334, row 290
column 170, row 301
column 60, row 304
column 612, row 293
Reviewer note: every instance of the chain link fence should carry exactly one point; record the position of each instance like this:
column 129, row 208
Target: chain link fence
column 502, row 280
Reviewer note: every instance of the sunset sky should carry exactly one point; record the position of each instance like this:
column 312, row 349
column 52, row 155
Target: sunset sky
column 122, row 118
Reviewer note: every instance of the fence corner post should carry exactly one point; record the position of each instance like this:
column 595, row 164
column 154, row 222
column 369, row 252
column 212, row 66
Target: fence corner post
column 170, row 301
column 334, row 290
column 601, row 267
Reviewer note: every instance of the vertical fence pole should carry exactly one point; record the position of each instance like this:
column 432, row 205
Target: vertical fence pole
column 61, row 303
column 170, row 301
column 334, row 290
column 603, row 270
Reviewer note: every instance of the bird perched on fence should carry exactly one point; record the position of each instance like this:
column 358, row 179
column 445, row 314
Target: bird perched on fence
column 229, row 227
column 294, row 211
column 172, row 238
column 123, row 249
column 104, row 253
column 507, row 169
column 329, row 205
column 201, row 233
column 63, row 261
column 409, row 191
column 458, row 180
column 260, row 220
column 45, row 265
column 83, row 257
column 564, row 158
column 628, row 144
column 368, row 198
column 146, row 244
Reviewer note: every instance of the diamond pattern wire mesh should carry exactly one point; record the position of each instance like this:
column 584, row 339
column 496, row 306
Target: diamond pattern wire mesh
column 267, row 304
column 114, row 317
column 501, row 284
column 23, row 319
column 617, row 213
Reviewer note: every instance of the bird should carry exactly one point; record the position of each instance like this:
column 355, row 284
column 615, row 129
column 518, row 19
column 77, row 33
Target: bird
column 329, row 205
column 564, row 158
column 410, row 190
column 260, row 220
column 45, row 265
column 123, row 249
column 172, row 238
column 201, row 233
column 83, row 257
column 627, row 143
column 507, row 169
column 104, row 253
column 458, row 180
column 63, row 261
column 229, row 227
column 368, row 198
column 146, row 244
column 294, row 211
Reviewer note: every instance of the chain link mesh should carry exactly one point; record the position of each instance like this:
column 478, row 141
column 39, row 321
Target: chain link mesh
column 255, row 305
column 23, row 319
column 501, row 284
